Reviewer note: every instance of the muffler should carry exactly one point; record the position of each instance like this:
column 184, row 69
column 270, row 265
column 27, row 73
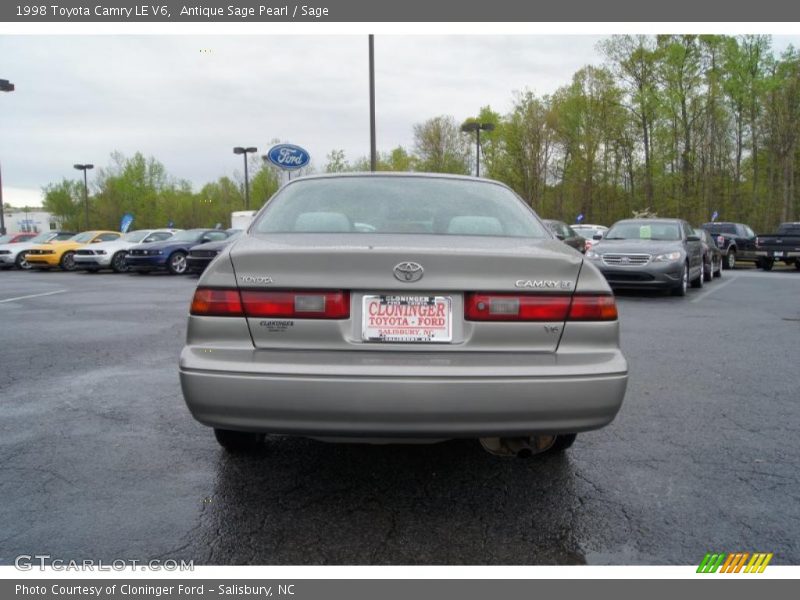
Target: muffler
column 520, row 447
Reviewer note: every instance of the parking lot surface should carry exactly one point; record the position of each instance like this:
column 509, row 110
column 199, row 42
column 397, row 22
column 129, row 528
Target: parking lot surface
column 99, row 457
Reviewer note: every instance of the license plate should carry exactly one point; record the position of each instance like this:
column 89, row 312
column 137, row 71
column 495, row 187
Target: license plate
column 778, row 253
column 399, row 318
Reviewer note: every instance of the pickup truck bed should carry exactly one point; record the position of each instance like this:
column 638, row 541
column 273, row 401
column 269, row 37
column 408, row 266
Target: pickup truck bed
column 781, row 246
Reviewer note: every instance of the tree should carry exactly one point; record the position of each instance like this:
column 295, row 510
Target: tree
column 440, row 147
column 337, row 163
column 64, row 200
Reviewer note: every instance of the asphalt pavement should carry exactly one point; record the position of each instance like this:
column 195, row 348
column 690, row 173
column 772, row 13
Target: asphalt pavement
column 99, row 457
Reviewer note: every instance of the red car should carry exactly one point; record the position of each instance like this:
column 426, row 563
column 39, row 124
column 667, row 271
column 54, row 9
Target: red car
column 13, row 238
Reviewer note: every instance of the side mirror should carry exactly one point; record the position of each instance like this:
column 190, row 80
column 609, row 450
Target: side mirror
column 692, row 238
column 597, row 236
column 560, row 236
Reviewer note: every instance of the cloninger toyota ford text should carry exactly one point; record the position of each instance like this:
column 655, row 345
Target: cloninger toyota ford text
column 389, row 307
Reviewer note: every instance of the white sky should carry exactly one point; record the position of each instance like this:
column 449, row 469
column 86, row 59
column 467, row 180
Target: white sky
column 78, row 98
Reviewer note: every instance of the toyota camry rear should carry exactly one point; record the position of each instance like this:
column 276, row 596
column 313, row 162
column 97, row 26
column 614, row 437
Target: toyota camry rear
column 389, row 307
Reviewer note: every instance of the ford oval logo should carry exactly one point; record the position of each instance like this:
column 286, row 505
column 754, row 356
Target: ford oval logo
column 288, row 157
column 408, row 272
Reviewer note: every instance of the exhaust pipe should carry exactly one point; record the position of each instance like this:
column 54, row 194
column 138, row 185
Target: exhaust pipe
column 520, row 447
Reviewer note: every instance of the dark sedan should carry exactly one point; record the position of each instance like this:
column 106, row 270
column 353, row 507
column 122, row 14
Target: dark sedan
column 200, row 256
column 566, row 234
column 650, row 253
column 170, row 254
column 712, row 255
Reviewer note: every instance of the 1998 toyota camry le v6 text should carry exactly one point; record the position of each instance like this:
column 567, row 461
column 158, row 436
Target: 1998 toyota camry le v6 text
column 402, row 308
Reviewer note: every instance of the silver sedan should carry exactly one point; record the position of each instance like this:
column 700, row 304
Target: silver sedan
column 402, row 308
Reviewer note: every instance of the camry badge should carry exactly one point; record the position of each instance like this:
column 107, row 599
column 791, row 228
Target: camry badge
column 408, row 271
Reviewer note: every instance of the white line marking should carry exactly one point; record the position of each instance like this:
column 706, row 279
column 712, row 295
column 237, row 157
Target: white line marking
column 32, row 296
column 714, row 289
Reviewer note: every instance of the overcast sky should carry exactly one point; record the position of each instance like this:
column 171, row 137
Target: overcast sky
column 187, row 100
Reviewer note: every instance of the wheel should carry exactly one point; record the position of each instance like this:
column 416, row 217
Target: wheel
column 118, row 263
column 797, row 264
column 238, row 442
column 563, row 441
column 708, row 274
column 767, row 264
column 684, row 284
column 700, row 281
column 718, row 269
column 21, row 263
column 177, row 263
column 67, row 262
column 730, row 259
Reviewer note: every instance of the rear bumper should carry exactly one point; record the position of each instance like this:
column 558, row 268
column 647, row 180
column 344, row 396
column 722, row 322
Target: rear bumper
column 403, row 394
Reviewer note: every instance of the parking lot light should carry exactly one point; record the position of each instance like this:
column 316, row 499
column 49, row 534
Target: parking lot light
column 5, row 86
column 471, row 126
column 84, row 168
column 244, row 152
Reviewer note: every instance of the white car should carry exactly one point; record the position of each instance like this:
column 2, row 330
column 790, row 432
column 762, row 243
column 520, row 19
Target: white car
column 13, row 255
column 111, row 255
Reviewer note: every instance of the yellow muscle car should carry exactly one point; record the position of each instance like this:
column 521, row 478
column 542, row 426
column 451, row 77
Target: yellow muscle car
column 62, row 254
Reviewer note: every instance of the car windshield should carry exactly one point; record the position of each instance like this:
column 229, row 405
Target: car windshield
column 385, row 204
column 642, row 230
column 42, row 237
column 189, row 235
column 86, row 236
column 135, row 236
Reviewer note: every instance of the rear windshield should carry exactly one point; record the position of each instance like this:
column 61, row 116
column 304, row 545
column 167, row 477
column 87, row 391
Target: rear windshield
column 418, row 205
column 717, row 228
column 637, row 230
column 789, row 229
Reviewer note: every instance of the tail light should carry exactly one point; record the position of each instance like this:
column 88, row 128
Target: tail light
column 516, row 307
column 300, row 305
column 720, row 240
column 216, row 303
column 283, row 304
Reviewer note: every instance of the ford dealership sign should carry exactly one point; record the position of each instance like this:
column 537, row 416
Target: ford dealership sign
column 288, row 156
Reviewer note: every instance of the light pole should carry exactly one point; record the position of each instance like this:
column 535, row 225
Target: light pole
column 477, row 127
column 244, row 152
column 85, row 168
column 5, row 86
column 373, row 153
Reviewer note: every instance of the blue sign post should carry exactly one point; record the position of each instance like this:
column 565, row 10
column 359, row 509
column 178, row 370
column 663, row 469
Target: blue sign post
column 288, row 157
column 579, row 218
column 126, row 222
column 714, row 216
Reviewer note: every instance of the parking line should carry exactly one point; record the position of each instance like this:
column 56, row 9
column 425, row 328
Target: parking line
column 712, row 290
column 32, row 296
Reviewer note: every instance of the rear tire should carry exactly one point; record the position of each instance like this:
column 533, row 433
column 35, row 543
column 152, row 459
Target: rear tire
column 729, row 261
column 709, row 275
column 239, row 442
column 797, row 264
column 767, row 264
column 563, row 442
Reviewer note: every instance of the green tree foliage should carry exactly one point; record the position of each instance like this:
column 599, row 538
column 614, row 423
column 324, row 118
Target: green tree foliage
column 440, row 146
column 65, row 201
column 679, row 125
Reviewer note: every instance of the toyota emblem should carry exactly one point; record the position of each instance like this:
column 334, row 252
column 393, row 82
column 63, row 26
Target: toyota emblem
column 408, row 271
